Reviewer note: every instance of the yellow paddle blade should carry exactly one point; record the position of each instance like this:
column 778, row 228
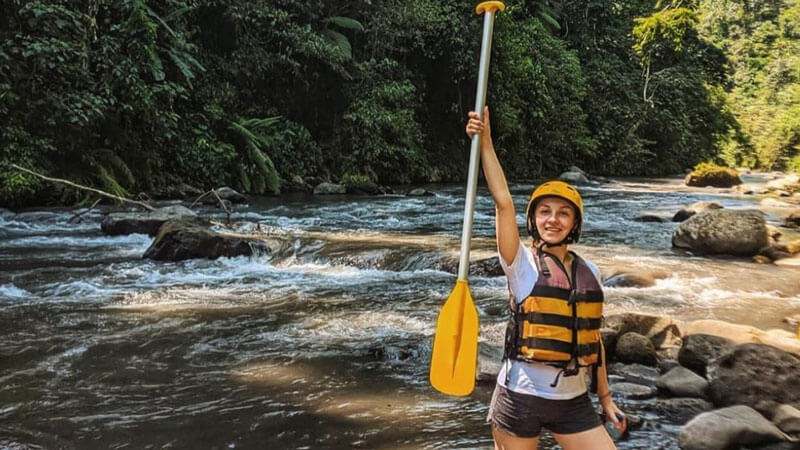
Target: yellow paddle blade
column 455, row 345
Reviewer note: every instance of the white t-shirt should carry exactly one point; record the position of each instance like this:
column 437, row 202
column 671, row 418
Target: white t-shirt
column 535, row 378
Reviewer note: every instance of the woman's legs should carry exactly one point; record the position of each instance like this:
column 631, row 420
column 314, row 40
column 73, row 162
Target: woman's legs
column 505, row 441
column 595, row 439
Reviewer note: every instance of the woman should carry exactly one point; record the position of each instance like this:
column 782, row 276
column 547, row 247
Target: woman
column 553, row 336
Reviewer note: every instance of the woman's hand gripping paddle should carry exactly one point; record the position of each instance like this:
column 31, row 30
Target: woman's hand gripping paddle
column 455, row 345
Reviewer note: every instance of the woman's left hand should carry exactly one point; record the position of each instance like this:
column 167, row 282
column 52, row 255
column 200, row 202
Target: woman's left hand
column 613, row 413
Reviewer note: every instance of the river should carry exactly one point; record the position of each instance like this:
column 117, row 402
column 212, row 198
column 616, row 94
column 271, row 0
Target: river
column 324, row 343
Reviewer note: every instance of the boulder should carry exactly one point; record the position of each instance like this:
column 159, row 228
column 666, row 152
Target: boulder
column 224, row 193
column 680, row 410
column 722, row 231
column 787, row 418
column 682, row 382
column 728, row 428
column 365, row 188
column 783, row 183
column 665, row 365
column 575, row 178
column 298, row 184
column 752, row 373
column 741, row 334
column 144, row 222
column 649, row 218
column 636, row 373
column 635, row 348
column 638, row 279
column 326, row 188
column 699, row 350
column 633, row 391
column 782, row 250
column 661, row 330
column 695, row 208
column 419, row 192
column 711, row 175
column 178, row 240
column 792, row 220
column 609, row 337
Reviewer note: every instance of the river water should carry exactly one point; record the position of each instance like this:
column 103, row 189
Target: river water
column 323, row 343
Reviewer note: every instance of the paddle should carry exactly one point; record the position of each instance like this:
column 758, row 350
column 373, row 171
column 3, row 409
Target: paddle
column 455, row 345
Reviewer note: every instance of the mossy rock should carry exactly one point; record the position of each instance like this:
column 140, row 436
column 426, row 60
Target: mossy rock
column 708, row 174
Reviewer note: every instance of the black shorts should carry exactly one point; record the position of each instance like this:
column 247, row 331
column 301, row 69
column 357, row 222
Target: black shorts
column 523, row 415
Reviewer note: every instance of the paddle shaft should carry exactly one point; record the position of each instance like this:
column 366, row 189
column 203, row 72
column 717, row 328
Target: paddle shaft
column 474, row 155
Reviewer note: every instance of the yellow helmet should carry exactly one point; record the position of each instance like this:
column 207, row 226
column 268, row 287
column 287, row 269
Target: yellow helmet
column 562, row 190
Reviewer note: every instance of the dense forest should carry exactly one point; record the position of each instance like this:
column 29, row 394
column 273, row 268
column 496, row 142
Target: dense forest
column 136, row 96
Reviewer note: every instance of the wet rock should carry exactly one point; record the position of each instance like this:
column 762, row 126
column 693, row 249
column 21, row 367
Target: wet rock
column 695, row 208
column 488, row 267
column 661, row 330
column 782, row 193
column 787, row 418
column 224, row 193
column 633, row 391
column 489, row 360
column 699, row 350
column 774, row 203
column 716, row 177
column 728, row 428
column 635, row 348
column 778, row 251
column 649, row 218
column 741, row 334
column 298, row 184
column 419, row 192
column 179, row 240
column 682, row 382
column 326, row 188
column 750, row 373
column 636, row 373
column 773, row 233
column 744, row 189
column 633, row 279
column 144, row 222
column 575, row 178
column 721, row 231
column 680, row 410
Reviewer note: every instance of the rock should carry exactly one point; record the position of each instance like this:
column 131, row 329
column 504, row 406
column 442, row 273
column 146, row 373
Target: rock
column 787, row 418
column 783, row 183
column 744, row 189
column 710, row 175
column 297, row 184
column 782, row 193
column 699, row 350
column 609, row 337
column 633, row 391
column 773, row 233
column 792, row 320
column 575, row 178
column 722, row 231
column 633, row 279
column 665, row 365
column 6, row 214
column 178, row 240
column 680, row 410
column 489, row 359
column 728, row 428
column 649, row 218
column 224, row 193
column 750, row 373
column 761, row 259
column 778, row 251
column 487, row 267
column 635, row 348
column 636, row 373
column 792, row 220
column 326, row 188
column 144, row 222
column 419, row 192
column 741, row 334
column 695, row 208
column 364, row 188
column 662, row 331
column 774, row 203
column 682, row 382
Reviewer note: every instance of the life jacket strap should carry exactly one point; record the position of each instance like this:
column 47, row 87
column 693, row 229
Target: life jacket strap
column 558, row 320
column 561, row 346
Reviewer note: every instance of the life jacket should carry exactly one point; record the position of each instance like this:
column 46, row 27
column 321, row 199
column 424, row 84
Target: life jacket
column 559, row 322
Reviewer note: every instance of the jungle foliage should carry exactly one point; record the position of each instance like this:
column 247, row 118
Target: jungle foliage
column 137, row 95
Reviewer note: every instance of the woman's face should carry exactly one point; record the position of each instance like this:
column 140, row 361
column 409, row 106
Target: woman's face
column 555, row 219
